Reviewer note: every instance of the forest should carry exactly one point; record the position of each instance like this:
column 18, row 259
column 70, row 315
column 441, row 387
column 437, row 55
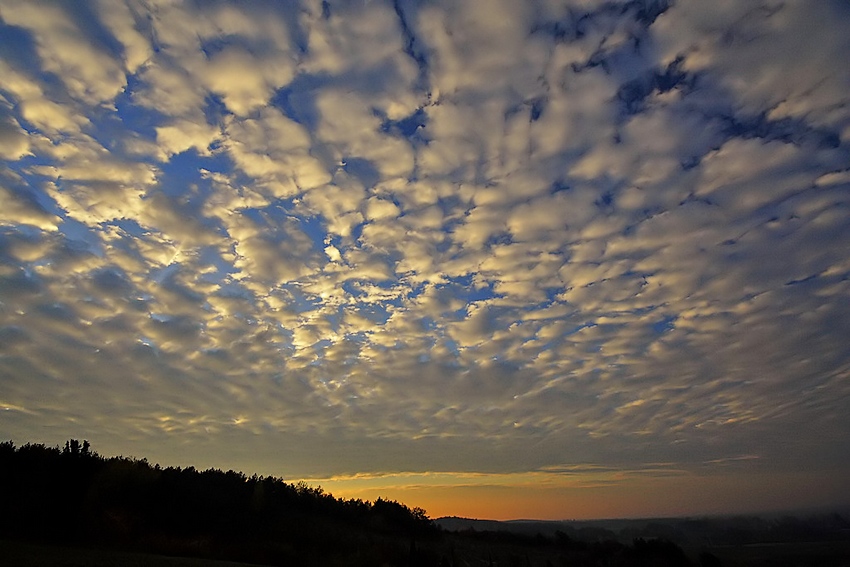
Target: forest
column 83, row 502
column 72, row 495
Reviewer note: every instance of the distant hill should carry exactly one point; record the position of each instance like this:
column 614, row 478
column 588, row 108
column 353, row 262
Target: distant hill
column 779, row 540
column 587, row 531
column 455, row 524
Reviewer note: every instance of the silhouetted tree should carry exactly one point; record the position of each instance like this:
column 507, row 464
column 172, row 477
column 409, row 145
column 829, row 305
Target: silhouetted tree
column 74, row 495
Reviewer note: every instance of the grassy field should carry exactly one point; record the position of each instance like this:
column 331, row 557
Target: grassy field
column 19, row 554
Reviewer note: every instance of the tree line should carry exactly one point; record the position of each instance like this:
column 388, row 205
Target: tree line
column 73, row 496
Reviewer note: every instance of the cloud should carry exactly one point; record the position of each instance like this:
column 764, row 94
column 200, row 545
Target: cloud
column 275, row 151
column 14, row 143
column 351, row 129
column 49, row 116
column 749, row 30
column 169, row 89
column 182, row 135
column 244, row 81
column 72, row 53
column 21, row 206
column 125, row 25
column 272, row 254
column 466, row 237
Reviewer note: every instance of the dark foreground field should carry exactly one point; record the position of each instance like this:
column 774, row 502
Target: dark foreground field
column 796, row 554
column 813, row 554
column 22, row 554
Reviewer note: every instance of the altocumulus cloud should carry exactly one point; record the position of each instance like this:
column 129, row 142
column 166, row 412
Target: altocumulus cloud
column 327, row 238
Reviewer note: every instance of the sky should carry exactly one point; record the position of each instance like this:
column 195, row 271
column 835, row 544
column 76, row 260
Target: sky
column 496, row 259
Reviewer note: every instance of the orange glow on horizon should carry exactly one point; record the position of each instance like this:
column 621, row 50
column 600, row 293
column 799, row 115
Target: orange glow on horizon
column 501, row 497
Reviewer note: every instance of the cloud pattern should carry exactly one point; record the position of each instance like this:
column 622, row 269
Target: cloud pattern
column 328, row 238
